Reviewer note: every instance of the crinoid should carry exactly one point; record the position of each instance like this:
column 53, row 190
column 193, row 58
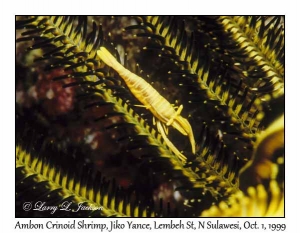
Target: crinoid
column 83, row 137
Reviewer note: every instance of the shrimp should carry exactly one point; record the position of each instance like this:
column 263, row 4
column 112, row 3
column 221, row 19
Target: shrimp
column 152, row 100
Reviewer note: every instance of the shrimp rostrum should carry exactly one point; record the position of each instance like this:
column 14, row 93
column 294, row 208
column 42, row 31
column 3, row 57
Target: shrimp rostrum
column 153, row 101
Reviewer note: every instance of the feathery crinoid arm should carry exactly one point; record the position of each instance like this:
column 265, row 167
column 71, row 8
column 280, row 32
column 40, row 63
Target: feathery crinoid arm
column 226, row 72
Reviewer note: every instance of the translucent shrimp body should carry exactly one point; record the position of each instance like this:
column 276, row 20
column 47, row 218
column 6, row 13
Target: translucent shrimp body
column 152, row 100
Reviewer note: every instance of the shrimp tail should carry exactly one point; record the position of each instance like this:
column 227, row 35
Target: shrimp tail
column 109, row 59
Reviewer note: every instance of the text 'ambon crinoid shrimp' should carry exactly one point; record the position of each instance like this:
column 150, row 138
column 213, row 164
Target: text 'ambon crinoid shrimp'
column 152, row 100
